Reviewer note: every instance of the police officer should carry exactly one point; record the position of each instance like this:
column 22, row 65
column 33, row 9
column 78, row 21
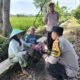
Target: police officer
column 63, row 61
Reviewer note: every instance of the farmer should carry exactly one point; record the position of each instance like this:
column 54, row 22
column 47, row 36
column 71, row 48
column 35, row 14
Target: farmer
column 15, row 50
column 63, row 61
column 38, row 46
column 31, row 37
column 51, row 19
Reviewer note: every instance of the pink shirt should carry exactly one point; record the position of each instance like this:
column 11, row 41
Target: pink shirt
column 51, row 20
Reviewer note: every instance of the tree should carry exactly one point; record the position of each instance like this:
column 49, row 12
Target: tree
column 61, row 10
column 6, row 21
column 42, row 4
column 4, row 17
column 72, row 13
column 1, row 21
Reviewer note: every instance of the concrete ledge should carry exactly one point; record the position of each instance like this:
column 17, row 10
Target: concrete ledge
column 5, row 65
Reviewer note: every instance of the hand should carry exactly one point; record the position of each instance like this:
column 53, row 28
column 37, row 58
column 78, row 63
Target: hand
column 45, row 56
column 30, row 54
column 33, row 46
column 47, row 59
column 45, row 47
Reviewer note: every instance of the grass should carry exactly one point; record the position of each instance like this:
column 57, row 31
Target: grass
column 21, row 22
column 25, row 22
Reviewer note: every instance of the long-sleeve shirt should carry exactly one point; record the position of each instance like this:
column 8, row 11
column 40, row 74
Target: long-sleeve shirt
column 14, row 48
column 67, row 57
column 30, row 39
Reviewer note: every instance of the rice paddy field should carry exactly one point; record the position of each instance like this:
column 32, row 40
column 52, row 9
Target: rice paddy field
column 21, row 22
column 24, row 22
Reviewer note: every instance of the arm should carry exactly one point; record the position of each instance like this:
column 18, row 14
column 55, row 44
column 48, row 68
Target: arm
column 50, row 59
column 46, row 19
column 36, row 40
column 57, row 16
column 14, row 49
column 26, row 44
column 55, row 54
column 26, row 38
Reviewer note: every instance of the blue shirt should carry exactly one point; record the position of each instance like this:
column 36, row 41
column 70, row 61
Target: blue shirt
column 31, row 39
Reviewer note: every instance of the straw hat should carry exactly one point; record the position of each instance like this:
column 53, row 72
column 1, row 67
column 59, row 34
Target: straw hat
column 15, row 32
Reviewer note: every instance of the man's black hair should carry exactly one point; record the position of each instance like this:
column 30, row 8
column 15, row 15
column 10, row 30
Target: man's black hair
column 51, row 4
column 58, row 30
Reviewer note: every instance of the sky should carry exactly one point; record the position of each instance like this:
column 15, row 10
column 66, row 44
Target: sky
column 27, row 7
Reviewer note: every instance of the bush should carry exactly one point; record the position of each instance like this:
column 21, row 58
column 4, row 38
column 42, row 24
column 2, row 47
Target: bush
column 79, row 21
column 3, row 48
column 77, row 13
